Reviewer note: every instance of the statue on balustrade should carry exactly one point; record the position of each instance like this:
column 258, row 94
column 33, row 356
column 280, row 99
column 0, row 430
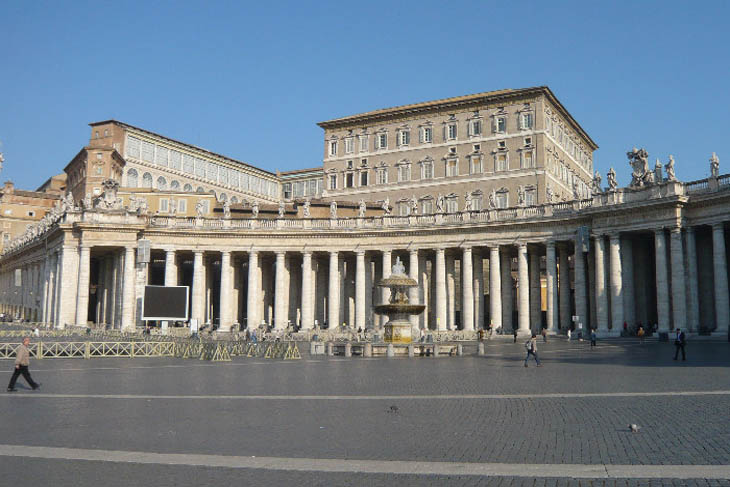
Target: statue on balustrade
column 282, row 208
column 467, row 201
column 361, row 208
column 173, row 207
column 86, row 203
column 414, row 205
column 227, row 210
column 200, row 209
column 306, row 211
column 597, row 189
column 386, row 207
column 493, row 199
column 548, row 195
column 333, row 210
column 714, row 165
column 658, row 177
column 576, row 190
column 641, row 174
column 108, row 200
column 67, row 204
column 611, row 180
column 440, row 203
column 670, row 169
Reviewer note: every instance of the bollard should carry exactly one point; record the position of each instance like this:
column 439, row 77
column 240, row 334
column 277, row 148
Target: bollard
column 390, row 352
column 435, row 350
column 330, row 349
column 312, row 348
column 459, row 350
column 411, row 351
column 368, row 350
column 480, row 349
column 348, row 350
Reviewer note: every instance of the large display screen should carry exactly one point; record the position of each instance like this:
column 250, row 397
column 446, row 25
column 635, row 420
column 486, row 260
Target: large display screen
column 165, row 303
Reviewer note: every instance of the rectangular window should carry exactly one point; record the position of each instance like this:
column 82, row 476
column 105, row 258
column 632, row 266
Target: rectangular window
column 98, row 156
column 502, row 200
column 287, row 191
column 349, row 180
column 528, row 159
column 476, row 203
column 452, row 168
column 452, row 206
column 475, row 127
column 333, row 181
column 426, row 207
column 427, row 170
column 451, row 131
column 530, row 197
column 382, row 141
column 182, row 206
column 500, row 124
column 427, row 135
column 349, row 164
column 526, row 121
column 382, row 176
column 403, row 208
column 348, row 145
column 477, row 147
column 404, row 172
column 364, row 178
column 476, row 165
column 333, row 148
column 502, row 162
column 363, row 143
column 164, row 202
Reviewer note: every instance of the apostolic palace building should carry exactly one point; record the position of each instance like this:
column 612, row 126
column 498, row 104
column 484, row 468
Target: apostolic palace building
column 490, row 201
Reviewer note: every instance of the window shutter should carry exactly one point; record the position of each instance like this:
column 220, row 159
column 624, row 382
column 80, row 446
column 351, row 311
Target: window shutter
column 445, row 134
column 494, row 124
column 420, row 136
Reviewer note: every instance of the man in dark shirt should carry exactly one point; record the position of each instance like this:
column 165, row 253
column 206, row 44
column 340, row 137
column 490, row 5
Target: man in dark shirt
column 679, row 342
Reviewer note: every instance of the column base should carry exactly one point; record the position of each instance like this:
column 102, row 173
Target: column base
column 523, row 333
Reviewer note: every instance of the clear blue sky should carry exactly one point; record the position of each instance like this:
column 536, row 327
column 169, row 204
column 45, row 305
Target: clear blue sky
column 251, row 79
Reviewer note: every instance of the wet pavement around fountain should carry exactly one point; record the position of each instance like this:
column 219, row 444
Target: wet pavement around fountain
column 344, row 421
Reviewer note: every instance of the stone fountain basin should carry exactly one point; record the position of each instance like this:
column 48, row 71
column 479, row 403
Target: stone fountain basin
column 409, row 309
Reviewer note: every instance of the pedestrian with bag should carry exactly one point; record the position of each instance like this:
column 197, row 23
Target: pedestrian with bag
column 22, row 361
column 679, row 343
column 531, row 347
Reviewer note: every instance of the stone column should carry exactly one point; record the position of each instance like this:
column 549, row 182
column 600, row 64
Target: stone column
column 170, row 268
column 128, row 298
column 307, row 302
column 252, row 299
column 414, row 291
column 478, row 272
column 423, row 291
column 662, row 281
column 616, row 280
column 333, row 302
column 82, row 296
column 108, row 289
column 495, row 289
column 467, row 290
column 523, row 303
column 564, row 287
column 601, row 296
column 280, row 315
column 226, row 316
column 387, row 269
column 360, row 289
column 47, row 287
column 198, row 305
column 581, row 306
column 535, row 290
column 679, row 296
column 693, row 316
column 440, row 289
column 722, row 308
column 450, row 292
column 507, row 290
column 69, row 264
column 629, row 297
column 551, row 281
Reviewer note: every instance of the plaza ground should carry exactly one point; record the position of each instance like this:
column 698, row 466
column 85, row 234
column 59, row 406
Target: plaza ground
column 335, row 421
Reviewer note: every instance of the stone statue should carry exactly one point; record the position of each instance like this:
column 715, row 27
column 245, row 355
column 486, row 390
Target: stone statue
column 576, row 191
column 333, row 209
column 199, row 209
column 173, row 207
column 142, row 207
column 226, row 210
column 414, row 205
column 86, row 202
column 386, row 207
column 714, row 165
column 639, row 162
column 67, row 204
column 282, row 208
column 611, row 179
column 440, row 203
column 109, row 199
column 520, row 195
column 658, row 171
column 467, row 201
column 597, row 183
column 398, row 268
column 548, row 194
column 2, row 159
column 670, row 169
column 307, row 204
column 255, row 209
column 493, row 200
column 361, row 208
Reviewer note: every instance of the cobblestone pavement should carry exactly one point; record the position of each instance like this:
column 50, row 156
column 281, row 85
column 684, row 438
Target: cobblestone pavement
column 549, row 415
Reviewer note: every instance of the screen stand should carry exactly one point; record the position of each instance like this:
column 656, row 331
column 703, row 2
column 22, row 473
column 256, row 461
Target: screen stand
column 164, row 327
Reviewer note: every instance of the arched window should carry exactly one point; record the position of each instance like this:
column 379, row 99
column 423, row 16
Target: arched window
column 147, row 180
column 161, row 183
column 234, row 200
column 223, row 197
column 188, row 188
column 200, row 190
column 175, row 185
column 132, row 180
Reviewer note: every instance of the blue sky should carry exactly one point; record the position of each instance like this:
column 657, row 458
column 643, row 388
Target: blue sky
column 251, row 80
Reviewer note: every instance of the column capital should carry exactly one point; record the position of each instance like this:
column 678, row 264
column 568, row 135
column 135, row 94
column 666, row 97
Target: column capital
column 676, row 230
column 690, row 230
column 280, row 253
column 551, row 243
column 413, row 251
column 522, row 247
column 333, row 253
column 718, row 226
column 614, row 237
column 307, row 253
column 657, row 231
column 196, row 251
column 170, row 250
column 360, row 252
column 466, row 248
column 225, row 252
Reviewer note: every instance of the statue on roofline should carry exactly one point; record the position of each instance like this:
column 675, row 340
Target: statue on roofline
column 611, row 179
column 641, row 175
column 670, row 169
column 714, row 165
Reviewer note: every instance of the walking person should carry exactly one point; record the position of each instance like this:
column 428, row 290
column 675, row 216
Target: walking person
column 679, row 342
column 640, row 334
column 514, row 333
column 22, row 361
column 531, row 346
column 544, row 335
column 593, row 338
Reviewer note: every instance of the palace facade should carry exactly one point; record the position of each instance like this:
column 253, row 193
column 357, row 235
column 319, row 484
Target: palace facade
column 489, row 201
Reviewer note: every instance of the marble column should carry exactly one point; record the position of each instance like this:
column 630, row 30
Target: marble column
column 440, row 304
column 478, row 271
column 46, row 288
column 467, row 290
column 535, row 290
column 198, row 304
column 423, row 291
column 82, row 296
column 360, row 289
column 450, row 292
column 280, row 314
column 414, row 291
column 226, row 289
column 693, row 315
column 564, row 287
column 581, row 305
column 627, row 274
column 507, row 290
column 679, row 289
column 128, row 298
column 170, row 268
column 601, row 296
column 722, row 307
column 616, row 281
column 495, row 289
column 385, row 292
column 252, row 299
column 662, row 281
column 333, row 302
column 551, row 281
column 523, row 303
column 67, row 294
column 307, row 284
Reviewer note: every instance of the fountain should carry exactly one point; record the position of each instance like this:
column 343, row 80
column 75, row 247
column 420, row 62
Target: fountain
column 398, row 310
